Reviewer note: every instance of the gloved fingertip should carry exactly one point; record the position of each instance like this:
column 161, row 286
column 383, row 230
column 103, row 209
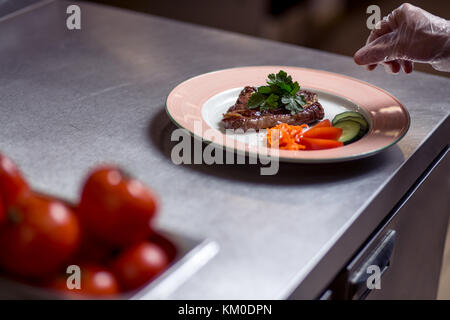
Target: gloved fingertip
column 392, row 67
column 359, row 56
column 407, row 66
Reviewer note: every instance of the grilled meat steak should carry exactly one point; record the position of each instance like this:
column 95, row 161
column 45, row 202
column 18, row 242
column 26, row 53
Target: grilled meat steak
column 239, row 116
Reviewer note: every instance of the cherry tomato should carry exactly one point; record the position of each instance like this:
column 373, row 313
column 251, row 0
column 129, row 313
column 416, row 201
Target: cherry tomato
column 164, row 243
column 39, row 236
column 319, row 144
column 139, row 264
column 12, row 184
column 323, row 124
column 115, row 208
column 95, row 281
column 323, row 133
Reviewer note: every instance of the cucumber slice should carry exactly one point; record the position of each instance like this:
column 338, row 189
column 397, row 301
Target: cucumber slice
column 346, row 114
column 361, row 121
column 350, row 131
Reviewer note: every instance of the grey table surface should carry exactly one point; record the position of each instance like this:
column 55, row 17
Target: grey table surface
column 73, row 99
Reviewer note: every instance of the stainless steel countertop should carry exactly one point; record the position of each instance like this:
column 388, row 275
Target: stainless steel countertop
column 71, row 99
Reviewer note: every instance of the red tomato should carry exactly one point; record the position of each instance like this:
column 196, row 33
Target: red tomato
column 323, row 123
column 164, row 243
column 115, row 208
column 318, row 144
column 39, row 236
column 95, row 281
column 2, row 212
column 12, row 184
column 140, row 264
column 323, row 133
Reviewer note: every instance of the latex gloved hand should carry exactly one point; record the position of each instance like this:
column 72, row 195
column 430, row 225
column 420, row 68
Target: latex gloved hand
column 408, row 34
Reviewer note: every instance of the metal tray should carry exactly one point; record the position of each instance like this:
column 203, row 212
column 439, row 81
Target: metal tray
column 192, row 254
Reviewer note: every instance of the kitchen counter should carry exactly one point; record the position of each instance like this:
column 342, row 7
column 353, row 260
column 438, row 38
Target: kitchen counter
column 73, row 99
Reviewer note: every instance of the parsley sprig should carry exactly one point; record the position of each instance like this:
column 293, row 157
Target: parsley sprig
column 279, row 91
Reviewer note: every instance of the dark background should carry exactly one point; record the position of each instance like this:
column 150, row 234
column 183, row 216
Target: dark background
column 332, row 25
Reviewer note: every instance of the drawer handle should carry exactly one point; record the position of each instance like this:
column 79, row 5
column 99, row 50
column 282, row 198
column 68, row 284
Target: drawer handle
column 381, row 257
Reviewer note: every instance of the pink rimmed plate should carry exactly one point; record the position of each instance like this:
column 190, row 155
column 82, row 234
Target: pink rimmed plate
column 197, row 105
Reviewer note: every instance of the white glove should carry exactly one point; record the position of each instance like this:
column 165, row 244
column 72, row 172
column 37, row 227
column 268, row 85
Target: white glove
column 408, row 34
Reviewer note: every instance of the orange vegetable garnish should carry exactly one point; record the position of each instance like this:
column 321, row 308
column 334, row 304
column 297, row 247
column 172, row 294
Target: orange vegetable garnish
column 323, row 133
column 287, row 137
column 323, row 123
column 319, row 144
column 284, row 136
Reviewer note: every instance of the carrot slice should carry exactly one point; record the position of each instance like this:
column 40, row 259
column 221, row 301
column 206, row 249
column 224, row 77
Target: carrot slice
column 323, row 133
column 323, row 123
column 319, row 144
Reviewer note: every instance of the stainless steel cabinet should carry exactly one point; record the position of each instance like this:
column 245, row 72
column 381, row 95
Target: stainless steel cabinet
column 408, row 246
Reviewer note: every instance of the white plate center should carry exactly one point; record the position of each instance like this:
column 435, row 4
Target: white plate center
column 217, row 105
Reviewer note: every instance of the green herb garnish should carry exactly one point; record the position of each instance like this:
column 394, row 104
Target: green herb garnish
column 279, row 91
